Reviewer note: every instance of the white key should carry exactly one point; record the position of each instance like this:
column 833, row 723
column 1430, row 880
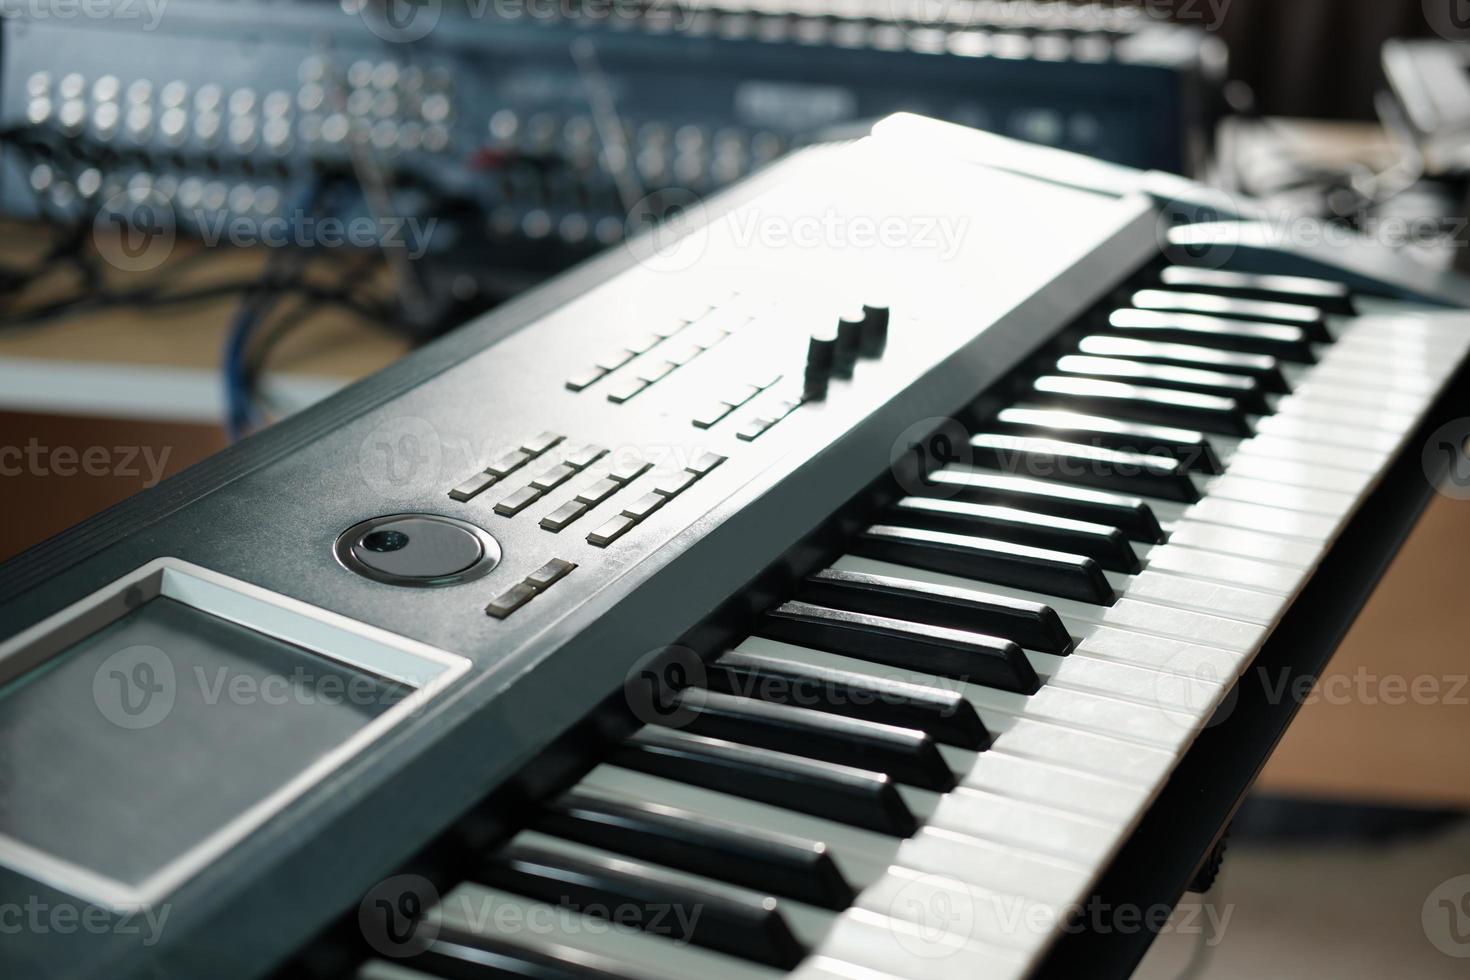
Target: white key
column 1365, row 458
column 1000, row 772
column 1297, row 474
column 1321, row 389
column 1217, row 599
column 994, row 865
column 1294, row 406
column 1329, row 503
column 1310, row 432
column 1080, row 672
column 906, row 949
column 1309, row 527
column 1237, row 541
column 1086, row 752
column 1165, row 654
column 1282, row 580
column 1026, row 825
column 977, row 914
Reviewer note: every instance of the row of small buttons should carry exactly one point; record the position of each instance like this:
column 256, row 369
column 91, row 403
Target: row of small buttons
column 619, row 477
column 734, row 399
column 640, row 509
column 687, row 339
column 506, row 465
column 774, row 413
column 549, row 479
column 533, row 585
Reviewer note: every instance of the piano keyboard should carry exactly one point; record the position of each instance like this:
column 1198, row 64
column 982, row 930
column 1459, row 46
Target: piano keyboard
column 919, row 762
column 941, row 596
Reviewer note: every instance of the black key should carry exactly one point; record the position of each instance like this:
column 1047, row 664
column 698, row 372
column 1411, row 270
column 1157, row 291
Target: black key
column 783, row 865
column 1309, row 318
column 1070, row 462
column 1002, row 562
column 1326, row 295
column 1160, row 405
column 1263, row 367
column 1187, row 447
column 851, row 796
column 963, row 655
column 908, row 755
column 1244, row 390
column 1031, row 624
column 1108, row 546
column 945, row 715
column 457, row 954
column 1287, row 343
column 1045, row 497
column 723, row 920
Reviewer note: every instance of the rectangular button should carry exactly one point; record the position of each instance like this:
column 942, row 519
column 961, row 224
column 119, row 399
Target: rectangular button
column 740, row 395
column 611, row 531
column 644, row 344
column 509, row 463
column 711, row 414
column 584, row 456
column 585, row 379
column 628, row 472
column 517, row 502
column 553, row 477
column 510, row 600
column 599, row 491
column 675, row 484
column 615, row 359
column 644, row 505
column 657, row 371
column 753, row 429
column 549, row 574
column 683, row 354
column 564, row 515
column 705, row 462
column 539, row 444
column 669, row 327
column 626, row 390
column 472, row 487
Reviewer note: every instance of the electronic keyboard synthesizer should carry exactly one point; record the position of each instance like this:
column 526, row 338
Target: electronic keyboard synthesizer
column 854, row 580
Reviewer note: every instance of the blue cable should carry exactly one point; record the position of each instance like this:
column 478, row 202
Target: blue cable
column 239, row 414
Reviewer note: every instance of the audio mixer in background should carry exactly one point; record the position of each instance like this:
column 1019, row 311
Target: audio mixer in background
column 487, row 145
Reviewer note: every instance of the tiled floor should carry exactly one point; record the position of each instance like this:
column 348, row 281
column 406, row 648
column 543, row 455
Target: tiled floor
column 1331, row 913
